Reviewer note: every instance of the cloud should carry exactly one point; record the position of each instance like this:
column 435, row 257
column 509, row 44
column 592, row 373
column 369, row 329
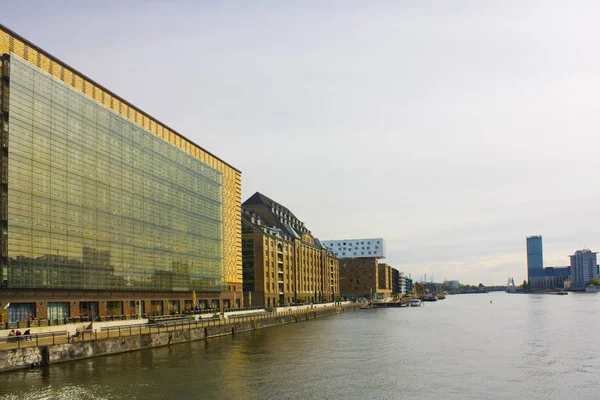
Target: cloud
column 453, row 130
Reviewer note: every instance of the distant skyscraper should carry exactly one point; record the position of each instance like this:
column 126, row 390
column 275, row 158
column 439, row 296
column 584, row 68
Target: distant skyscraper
column 535, row 257
column 584, row 267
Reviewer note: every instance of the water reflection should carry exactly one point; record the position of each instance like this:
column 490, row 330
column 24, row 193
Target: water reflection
column 463, row 347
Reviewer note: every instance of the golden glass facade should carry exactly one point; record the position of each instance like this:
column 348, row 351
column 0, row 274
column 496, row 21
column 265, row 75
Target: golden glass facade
column 217, row 237
column 96, row 202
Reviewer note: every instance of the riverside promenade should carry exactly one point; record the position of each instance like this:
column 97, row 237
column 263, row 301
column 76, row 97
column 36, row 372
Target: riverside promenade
column 61, row 346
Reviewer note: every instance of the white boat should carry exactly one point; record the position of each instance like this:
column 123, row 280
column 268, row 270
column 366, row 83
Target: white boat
column 415, row 303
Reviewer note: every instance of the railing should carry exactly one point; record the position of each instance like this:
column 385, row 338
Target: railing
column 51, row 338
column 34, row 340
column 38, row 323
column 247, row 308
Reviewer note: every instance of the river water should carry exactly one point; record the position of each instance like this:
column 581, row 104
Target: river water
column 519, row 346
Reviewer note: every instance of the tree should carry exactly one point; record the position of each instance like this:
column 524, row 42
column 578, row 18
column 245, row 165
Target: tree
column 419, row 288
column 594, row 282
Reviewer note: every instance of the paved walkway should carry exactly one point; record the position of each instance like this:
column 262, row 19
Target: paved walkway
column 46, row 339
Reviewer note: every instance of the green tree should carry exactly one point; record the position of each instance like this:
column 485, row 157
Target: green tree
column 594, row 282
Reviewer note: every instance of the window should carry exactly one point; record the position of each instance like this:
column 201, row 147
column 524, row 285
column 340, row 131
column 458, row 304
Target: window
column 362, row 242
column 362, row 252
column 58, row 311
column 368, row 242
column 378, row 242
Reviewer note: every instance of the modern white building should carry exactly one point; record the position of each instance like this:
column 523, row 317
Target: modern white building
column 583, row 268
column 355, row 248
column 402, row 288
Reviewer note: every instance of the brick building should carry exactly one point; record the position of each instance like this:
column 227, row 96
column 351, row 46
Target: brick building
column 282, row 261
column 365, row 277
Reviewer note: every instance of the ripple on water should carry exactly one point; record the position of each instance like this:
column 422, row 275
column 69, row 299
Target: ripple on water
column 543, row 346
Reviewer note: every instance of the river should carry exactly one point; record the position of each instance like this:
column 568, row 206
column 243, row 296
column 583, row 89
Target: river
column 518, row 346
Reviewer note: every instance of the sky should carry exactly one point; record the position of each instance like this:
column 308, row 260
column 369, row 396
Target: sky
column 453, row 129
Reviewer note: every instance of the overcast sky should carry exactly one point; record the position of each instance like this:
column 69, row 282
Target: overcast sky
column 453, row 129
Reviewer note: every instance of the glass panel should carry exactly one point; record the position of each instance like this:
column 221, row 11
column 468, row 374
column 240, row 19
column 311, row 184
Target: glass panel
column 58, row 311
column 97, row 202
column 88, row 310
column 114, row 308
column 20, row 311
column 156, row 307
column 173, row 306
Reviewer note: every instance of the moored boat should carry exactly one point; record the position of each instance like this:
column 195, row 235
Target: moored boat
column 415, row 303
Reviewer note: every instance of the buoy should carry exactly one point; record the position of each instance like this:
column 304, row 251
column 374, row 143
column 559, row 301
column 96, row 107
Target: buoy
column 490, row 302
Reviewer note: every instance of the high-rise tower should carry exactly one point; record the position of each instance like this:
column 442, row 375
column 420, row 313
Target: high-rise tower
column 535, row 257
column 584, row 267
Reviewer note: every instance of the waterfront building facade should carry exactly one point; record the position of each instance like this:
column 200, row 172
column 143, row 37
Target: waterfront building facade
column 395, row 282
column 283, row 261
column 353, row 248
column 535, row 257
column 364, row 277
column 361, row 275
column 409, row 285
column 104, row 209
column 402, row 284
column 267, row 262
column 584, row 266
column 553, row 278
column 384, row 280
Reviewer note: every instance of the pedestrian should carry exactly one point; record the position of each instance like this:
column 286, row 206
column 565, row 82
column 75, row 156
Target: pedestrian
column 76, row 335
column 27, row 334
column 19, row 335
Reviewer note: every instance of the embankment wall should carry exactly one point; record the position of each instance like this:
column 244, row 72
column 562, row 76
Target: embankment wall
column 12, row 359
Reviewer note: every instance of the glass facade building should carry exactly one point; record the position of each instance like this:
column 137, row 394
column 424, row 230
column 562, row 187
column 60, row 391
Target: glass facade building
column 96, row 202
column 535, row 257
column 105, row 207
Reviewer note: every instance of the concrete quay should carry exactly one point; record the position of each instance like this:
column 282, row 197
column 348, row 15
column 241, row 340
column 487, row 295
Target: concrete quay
column 100, row 343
